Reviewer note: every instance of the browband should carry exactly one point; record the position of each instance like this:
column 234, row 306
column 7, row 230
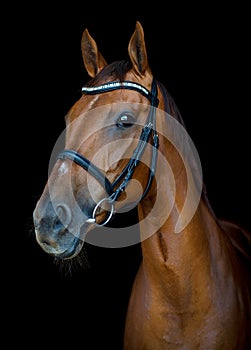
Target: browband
column 115, row 85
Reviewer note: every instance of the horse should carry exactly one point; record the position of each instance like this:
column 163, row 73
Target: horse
column 126, row 146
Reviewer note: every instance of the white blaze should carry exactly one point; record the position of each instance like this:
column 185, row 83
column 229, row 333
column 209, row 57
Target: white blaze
column 63, row 169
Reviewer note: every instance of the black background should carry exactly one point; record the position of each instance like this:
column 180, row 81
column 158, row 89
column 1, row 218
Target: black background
column 201, row 56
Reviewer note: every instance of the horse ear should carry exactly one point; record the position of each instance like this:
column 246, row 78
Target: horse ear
column 137, row 50
column 93, row 60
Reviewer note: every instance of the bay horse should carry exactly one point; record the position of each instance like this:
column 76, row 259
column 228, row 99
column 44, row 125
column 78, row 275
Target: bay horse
column 192, row 289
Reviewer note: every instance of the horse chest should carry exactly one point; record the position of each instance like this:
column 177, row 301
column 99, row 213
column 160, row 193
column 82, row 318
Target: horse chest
column 152, row 325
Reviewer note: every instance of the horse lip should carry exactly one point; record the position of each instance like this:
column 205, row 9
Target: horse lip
column 76, row 245
column 72, row 251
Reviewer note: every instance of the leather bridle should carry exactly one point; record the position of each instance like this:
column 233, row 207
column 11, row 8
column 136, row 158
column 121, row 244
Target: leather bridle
column 115, row 189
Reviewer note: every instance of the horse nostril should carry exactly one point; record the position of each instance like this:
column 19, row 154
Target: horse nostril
column 63, row 216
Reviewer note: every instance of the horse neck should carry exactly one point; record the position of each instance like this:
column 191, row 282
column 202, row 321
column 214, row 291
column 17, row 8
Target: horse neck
column 191, row 259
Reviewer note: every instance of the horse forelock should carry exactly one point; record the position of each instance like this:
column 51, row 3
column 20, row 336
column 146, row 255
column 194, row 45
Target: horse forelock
column 114, row 71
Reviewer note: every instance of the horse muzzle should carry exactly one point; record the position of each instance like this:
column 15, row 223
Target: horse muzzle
column 53, row 231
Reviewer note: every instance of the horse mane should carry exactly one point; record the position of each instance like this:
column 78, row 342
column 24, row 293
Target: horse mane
column 114, row 71
column 239, row 238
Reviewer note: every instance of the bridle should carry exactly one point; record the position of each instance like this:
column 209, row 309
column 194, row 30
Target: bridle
column 115, row 189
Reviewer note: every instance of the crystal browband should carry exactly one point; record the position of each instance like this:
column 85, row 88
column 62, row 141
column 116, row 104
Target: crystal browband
column 114, row 85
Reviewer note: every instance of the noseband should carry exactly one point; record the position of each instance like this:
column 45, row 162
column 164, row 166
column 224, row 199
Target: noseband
column 115, row 189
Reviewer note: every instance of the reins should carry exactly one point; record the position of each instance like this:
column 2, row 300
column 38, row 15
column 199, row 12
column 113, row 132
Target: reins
column 115, row 189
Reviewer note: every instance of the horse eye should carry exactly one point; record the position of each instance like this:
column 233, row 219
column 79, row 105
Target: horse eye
column 125, row 121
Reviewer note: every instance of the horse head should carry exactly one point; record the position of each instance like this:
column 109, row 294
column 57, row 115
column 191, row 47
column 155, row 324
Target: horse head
column 103, row 131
